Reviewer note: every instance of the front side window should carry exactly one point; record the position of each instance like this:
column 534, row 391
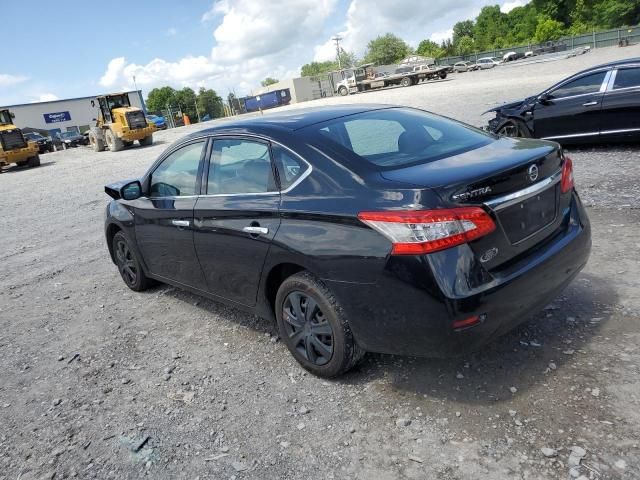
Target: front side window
column 626, row 78
column 177, row 175
column 397, row 137
column 240, row 167
column 580, row 86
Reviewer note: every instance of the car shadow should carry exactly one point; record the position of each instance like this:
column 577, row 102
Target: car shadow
column 522, row 358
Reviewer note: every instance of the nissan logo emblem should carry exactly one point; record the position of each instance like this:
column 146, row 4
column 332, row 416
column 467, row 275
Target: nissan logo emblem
column 533, row 173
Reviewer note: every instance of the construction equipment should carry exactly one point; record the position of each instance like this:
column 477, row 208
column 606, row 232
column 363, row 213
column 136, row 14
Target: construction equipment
column 119, row 124
column 14, row 148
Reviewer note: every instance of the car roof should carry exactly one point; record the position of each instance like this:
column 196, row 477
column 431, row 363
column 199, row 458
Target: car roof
column 291, row 119
column 617, row 63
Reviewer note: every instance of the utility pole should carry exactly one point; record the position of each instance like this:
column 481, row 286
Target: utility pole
column 337, row 40
column 195, row 102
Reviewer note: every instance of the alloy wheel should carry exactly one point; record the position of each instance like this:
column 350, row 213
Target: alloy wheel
column 126, row 263
column 509, row 129
column 309, row 331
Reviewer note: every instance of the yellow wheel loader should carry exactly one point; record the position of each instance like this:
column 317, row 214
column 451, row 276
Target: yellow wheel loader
column 14, row 148
column 119, row 124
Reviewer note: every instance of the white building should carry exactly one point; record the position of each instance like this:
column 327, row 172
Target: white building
column 302, row 89
column 73, row 114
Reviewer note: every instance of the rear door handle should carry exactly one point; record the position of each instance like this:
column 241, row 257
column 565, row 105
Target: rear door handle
column 590, row 104
column 256, row 230
column 180, row 223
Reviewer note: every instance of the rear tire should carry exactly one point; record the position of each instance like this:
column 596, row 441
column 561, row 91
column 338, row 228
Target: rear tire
column 34, row 161
column 128, row 264
column 314, row 327
column 114, row 143
column 146, row 141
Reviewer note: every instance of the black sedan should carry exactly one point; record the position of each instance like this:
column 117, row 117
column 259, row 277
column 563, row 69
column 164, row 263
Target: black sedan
column 598, row 104
column 44, row 144
column 72, row 139
column 357, row 228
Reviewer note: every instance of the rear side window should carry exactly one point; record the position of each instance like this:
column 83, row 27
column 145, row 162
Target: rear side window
column 240, row 167
column 629, row 77
column 398, row 137
column 177, row 175
column 587, row 84
column 290, row 167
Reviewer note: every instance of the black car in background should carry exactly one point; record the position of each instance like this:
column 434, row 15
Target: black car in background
column 44, row 144
column 72, row 139
column 598, row 104
column 357, row 228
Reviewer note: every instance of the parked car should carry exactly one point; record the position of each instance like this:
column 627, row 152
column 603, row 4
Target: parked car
column 72, row 139
column 158, row 121
column 45, row 144
column 600, row 103
column 464, row 67
column 487, row 62
column 357, row 228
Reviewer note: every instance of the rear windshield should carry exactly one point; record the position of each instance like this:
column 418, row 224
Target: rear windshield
column 399, row 137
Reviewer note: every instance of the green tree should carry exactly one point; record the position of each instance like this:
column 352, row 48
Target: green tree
column 616, row 13
column 465, row 45
column 186, row 100
column 386, row 49
column 462, row 29
column 316, row 68
column 522, row 22
column 159, row 98
column 209, row 103
column 429, row 48
column 491, row 24
column 269, row 81
column 548, row 29
column 347, row 59
column 447, row 47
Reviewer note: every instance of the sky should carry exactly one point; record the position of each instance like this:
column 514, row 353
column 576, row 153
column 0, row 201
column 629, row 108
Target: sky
column 72, row 48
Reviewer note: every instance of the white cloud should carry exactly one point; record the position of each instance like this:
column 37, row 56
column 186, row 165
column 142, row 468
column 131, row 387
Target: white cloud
column 7, row 80
column 508, row 6
column 113, row 73
column 47, row 97
column 439, row 37
column 172, row 32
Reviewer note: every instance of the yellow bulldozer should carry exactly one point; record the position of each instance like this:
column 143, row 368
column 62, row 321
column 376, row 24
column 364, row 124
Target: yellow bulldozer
column 119, row 124
column 14, row 148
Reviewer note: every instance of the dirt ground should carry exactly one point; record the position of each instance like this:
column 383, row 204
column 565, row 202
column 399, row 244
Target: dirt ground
column 97, row 381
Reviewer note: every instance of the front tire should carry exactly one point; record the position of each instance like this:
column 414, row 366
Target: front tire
column 114, row 143
column 314, row 327
column 146, row 141
column 343, row 91
column 514, row 128
column 443, row 74
column 128, row 264
column 406, row 82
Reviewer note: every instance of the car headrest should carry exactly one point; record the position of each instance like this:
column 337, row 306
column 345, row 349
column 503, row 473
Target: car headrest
column 414, row 141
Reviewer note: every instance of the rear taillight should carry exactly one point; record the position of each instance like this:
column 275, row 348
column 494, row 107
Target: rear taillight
column 416, row 232
column 566, row 183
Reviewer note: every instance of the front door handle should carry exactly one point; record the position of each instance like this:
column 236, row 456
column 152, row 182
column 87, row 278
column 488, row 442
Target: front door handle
column 180, row 223
column 589, row 104
column 256, row 230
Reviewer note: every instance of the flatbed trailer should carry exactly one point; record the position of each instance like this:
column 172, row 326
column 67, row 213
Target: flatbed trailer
column 363, row 79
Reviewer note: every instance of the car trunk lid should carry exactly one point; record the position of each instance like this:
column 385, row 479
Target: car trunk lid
column 516, row 180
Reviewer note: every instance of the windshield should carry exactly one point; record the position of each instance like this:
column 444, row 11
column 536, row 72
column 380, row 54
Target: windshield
column 398, row 137
column 5, row 116
column 33, row 136
column 68, row 134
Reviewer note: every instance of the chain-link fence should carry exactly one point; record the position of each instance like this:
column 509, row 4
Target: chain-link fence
column 606, row 38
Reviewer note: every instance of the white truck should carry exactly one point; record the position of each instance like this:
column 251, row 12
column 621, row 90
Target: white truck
column 363, row 78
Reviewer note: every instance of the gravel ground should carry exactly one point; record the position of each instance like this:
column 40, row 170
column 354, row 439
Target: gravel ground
column 97, row 381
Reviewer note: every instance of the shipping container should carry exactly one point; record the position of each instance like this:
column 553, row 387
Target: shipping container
column 267, row 100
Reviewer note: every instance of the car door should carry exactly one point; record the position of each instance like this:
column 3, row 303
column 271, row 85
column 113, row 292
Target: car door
column 164, row 218
column 237, row 217
column 621, row 104
column 572, row 109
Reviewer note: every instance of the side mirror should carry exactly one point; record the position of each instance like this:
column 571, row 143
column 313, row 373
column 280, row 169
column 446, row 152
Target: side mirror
column 13, row 115
column 93, row 103
column 131, row 191
column 545, row 97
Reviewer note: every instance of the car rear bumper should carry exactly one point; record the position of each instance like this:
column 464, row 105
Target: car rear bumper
column 410, row 311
